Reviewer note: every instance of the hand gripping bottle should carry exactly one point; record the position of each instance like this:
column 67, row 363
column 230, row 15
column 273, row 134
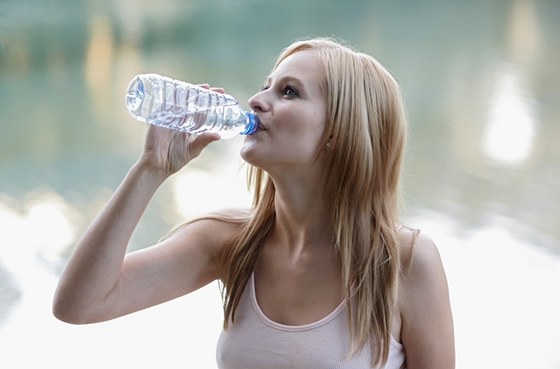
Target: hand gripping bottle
column 185, row 107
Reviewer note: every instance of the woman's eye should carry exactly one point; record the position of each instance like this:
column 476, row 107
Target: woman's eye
column 265, row 87
column 290, row 91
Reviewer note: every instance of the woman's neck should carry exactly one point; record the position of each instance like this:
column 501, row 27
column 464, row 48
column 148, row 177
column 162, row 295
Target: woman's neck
column 302, row 216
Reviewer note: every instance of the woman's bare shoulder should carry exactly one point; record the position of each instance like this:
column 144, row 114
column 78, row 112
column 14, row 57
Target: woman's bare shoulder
column 419, row 255
column 211, row 230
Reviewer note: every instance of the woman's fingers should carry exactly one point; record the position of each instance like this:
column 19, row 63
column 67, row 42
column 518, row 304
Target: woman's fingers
column 200, row 142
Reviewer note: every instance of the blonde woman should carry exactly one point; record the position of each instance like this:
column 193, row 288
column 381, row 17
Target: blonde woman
column 318, row 273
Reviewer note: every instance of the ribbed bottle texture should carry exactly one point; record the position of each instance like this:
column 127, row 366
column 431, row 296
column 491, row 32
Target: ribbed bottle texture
column 186, row 107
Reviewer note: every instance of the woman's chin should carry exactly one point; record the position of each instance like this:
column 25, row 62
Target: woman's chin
column 248, row 151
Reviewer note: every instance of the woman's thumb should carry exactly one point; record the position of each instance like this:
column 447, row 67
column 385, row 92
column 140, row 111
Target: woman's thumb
column 201, row 141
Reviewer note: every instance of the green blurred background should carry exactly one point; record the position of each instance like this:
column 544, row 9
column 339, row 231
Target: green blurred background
column 481, row 83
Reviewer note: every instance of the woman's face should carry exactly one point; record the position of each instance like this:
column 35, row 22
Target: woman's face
column 292, row 111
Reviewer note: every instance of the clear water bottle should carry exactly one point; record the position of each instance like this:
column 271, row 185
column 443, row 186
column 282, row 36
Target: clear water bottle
column 185, row 107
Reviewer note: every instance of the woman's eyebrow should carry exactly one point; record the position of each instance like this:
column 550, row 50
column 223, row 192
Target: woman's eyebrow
column 286, row 79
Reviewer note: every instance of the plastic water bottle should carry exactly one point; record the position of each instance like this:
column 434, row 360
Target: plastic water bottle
column 185, row 107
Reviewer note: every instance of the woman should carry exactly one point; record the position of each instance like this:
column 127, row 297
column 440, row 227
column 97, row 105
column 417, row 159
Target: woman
column 318, row 273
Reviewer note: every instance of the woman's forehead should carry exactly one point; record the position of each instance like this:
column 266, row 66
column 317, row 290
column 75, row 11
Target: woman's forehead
column 304, row 65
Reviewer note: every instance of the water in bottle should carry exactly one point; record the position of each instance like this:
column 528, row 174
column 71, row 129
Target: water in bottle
column 185, row 107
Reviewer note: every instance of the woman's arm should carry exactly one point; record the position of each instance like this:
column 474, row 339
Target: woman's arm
column 101, row 281
column 427, row 322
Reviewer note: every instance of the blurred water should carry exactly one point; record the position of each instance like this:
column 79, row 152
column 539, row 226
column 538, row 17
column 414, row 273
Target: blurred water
column 480, row 80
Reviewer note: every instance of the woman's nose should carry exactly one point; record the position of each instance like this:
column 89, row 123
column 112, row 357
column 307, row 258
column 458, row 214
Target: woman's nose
column 258, row 102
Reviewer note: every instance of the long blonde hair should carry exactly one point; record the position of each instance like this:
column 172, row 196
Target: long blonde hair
column 365, row 134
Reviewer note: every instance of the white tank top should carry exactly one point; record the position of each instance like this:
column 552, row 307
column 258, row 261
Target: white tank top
column 256, row 342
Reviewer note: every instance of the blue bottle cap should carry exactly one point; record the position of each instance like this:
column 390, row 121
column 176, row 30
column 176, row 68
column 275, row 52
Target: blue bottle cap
column 253, row 123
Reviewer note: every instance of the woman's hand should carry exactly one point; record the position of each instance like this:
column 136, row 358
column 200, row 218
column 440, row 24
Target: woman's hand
column 168, row 150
